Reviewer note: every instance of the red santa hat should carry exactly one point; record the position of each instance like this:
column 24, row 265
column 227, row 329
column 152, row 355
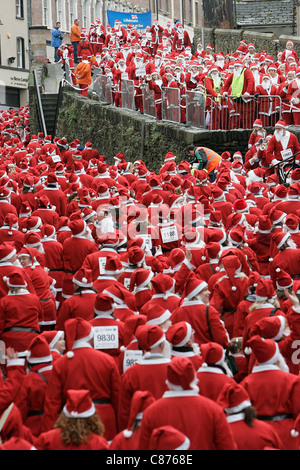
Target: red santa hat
column 193, row 286
column 237, row 235
column 265, row 290
column 140, row 278
column 294, row 191
column 176, row 258
column 149, row 337
column 83, row 277
column 47, row 231
column 79, row 404
column 11, row 221
column 113, row 266
column 281, row 123
column 233, row 398
column 104, row 304
column 4, row 192
column 169, row 157
column 77, row 227
column 280, row 193
column 270, row 327
column 283, row 279
column 140, row 400
column 15, row 280
column 136, row 256
column 232, row 266
column 211, row 252
column 258, row 122
column 25, row 209
column 168, row 438
column 52, row 336
column 280, row 238
column 38, row 351
column 181, row 374
column 264, row 224
column 163, row 284
column 179, row 334
column 7, row 251
column 276, row 216
column 78, row 331
column 295, row 175
column 240, row 206
column 292, row 222
column 156, row 315
column 212, row 353
column 266, row 351
column 190, row 236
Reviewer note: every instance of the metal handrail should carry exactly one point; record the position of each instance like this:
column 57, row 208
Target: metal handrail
column 58, row 104
column 39, row 103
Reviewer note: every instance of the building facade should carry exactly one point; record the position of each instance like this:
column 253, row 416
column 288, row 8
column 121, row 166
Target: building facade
column 14, row 53
column 45, row 14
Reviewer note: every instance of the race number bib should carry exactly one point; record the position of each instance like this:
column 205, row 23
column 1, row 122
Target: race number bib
column 2, row 352
column 147, row 238
column 126, row 282
column 131, row 357
column 169, row 234
column 140, row 72
column 124, row 76
column 102, row 262
column 106, row 337
column 286, row 153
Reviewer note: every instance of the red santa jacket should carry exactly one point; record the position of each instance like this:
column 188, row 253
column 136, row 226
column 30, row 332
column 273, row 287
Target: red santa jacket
column 184, row 410
column 139, row 376
column 204, row 319
column 88, row 369
column 30, row 399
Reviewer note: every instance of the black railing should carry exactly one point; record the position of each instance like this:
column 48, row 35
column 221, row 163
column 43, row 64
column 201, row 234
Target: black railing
column 39, row 105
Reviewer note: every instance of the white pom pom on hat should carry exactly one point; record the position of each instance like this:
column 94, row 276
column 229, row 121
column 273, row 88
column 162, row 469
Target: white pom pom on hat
column 233, row 288
column 70, row 354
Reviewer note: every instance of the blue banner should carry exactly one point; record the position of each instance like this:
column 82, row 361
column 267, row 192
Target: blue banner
column 139, row 20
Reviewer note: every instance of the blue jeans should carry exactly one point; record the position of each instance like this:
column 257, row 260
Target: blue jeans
column 75, row 47
column 56, row 58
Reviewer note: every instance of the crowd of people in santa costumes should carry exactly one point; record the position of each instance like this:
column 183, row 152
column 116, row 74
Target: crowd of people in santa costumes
column 234, row 88
column 144, row 310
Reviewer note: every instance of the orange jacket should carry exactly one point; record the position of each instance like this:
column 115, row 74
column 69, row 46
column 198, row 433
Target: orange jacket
column 83, row 73
column 75, row 33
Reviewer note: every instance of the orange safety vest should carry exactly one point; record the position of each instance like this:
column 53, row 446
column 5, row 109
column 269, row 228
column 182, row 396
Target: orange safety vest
column 213, row 158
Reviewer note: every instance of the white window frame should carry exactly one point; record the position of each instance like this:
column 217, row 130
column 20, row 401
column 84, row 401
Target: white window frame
column 73, row 13
column 20, row 53
column 47, row 13
column 20, row 9
column 61, row 14
column 86, row 15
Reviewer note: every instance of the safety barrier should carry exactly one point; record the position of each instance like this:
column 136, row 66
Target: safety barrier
column 223, row 113
column 232, row 112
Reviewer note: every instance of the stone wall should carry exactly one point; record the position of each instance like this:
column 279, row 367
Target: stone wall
column 227, row 40
column 112, row 130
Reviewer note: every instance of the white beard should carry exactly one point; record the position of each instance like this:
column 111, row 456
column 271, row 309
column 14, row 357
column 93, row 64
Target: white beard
column 158, row 82
column 278, row 136
column 237, row 73
column 167, row 350
column 297, row 80
column 282, row 364
column 123, row 68
column 220, row 63
column 266, row 86
column 292, row 244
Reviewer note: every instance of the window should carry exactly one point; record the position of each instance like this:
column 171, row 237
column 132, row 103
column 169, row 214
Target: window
column 98, row 10
column 190, row 12
column 196, row 13
column 20, row 9
column 60, row 14
column 167, row 6
column 47, row 20
column 72, row 11
column 20, row 53
column 86, row 14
